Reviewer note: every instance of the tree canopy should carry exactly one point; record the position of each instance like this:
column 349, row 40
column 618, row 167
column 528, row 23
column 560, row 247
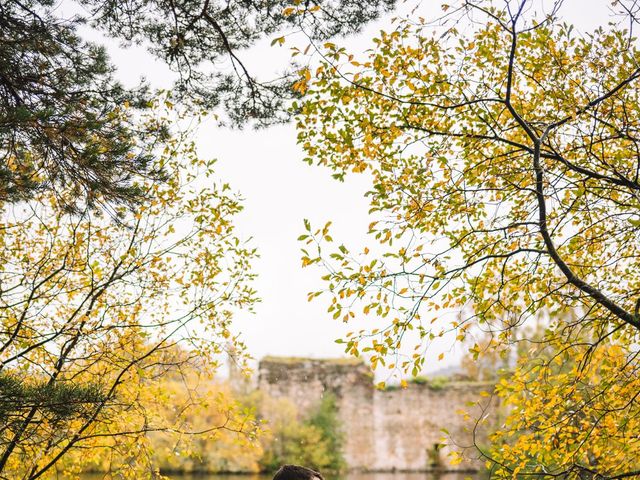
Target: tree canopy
column 502, row 148
column 67, row 125
column 95, row 314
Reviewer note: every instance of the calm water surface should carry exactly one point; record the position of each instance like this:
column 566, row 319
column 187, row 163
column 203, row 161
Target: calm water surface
column 352, row 476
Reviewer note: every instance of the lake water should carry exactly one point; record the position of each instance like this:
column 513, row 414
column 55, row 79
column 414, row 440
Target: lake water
column 349, row 476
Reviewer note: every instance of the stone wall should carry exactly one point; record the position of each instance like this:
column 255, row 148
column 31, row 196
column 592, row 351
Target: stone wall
column 384, row 430
column 408, row 425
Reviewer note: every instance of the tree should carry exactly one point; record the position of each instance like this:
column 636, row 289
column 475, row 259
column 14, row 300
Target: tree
column 93, row 312
column 573, row 412
column 67, row 124
column 90, row 307
column 192, row 402
column 315, row 441
column 502, row 147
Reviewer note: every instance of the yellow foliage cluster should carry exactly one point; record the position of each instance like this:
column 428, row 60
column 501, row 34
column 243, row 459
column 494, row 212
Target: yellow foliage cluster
column 95, row 312
column 502, row 150
column 573, row 412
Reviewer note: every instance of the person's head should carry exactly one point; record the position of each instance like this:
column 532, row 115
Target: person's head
column 296, row 472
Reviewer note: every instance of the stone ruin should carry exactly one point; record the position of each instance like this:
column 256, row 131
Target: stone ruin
column 384, row 430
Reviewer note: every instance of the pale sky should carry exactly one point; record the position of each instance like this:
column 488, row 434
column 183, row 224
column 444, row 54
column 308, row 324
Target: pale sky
column 280, row 191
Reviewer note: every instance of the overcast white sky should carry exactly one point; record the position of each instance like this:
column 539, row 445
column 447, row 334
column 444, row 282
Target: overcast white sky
column 280, row 190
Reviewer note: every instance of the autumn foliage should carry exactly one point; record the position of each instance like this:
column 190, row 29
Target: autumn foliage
column 94, row 312
column 501, row 146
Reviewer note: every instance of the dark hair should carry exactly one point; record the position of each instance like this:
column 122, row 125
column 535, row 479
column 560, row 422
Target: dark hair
column 296, row 472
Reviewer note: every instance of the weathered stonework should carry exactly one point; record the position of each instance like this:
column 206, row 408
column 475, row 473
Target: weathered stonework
column 391, row 430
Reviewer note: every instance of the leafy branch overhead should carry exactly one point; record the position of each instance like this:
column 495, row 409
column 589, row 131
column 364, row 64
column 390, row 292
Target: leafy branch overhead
column 95, row 318
column 502, row 147
column 68, row 125
column 108, row 328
